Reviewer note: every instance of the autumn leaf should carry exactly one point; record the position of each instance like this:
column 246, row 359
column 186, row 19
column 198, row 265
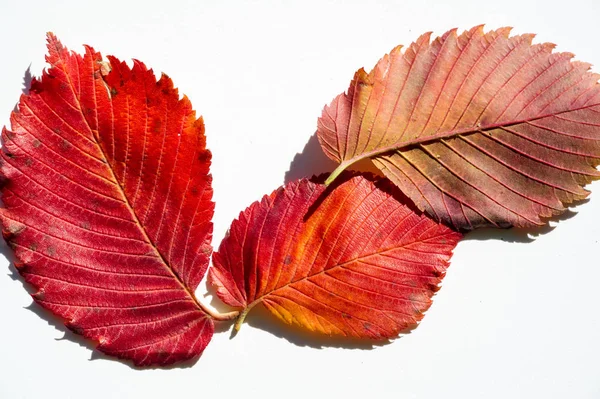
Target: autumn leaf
column 108, row 208
column 351, row 260
column 477, row 129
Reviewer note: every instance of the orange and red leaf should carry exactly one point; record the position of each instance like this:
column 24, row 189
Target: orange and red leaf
column 351, row 260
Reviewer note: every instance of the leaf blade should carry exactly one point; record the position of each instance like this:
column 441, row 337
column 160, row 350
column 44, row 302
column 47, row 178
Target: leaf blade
column 72, row 214
column 456, row 121
column 352, row 261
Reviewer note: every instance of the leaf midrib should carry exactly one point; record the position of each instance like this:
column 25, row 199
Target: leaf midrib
column 450, row 134
column 341, row 265
column 118, row 184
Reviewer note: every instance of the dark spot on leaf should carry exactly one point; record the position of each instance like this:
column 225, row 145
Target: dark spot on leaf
column 23, row 267
column 40, row 295
column 346, row 315
column 28, row 161
column 51, row 250
column 33, row 246
column 157, row 126
column 287, row 260
column 113, row 92
column 204, row 156
column 36, row 143
column 65, row 145
column 76, row 329
column 380, row 234
column 367, row 326
column 433, row 287
column 85, row 225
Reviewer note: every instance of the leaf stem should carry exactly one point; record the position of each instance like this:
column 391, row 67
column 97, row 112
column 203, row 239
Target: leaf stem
column 240, row 319
column 243, row 314
column 341, row 167
column 216, row 315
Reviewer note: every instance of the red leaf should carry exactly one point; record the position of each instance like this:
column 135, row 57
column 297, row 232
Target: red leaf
column 108, row 205
column 477, row 129
column 352, row 261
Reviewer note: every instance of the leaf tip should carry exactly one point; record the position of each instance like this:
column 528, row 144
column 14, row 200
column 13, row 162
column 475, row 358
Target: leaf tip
column 51, row 37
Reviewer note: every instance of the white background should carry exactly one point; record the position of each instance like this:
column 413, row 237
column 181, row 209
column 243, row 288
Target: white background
column 512, row 320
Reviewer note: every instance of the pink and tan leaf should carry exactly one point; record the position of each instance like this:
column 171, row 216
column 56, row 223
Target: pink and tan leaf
column 478, row 129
